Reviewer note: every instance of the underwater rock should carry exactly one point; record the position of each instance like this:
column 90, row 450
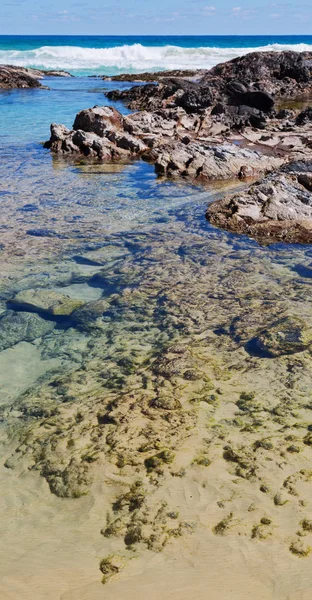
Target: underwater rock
column 279, row 207
column 22, row 327
column 89, row 316
column 287, row 336
column 46, row 301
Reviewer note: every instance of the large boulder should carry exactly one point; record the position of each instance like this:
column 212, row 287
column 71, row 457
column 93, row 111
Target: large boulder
column 278, row 207
column 98, row 120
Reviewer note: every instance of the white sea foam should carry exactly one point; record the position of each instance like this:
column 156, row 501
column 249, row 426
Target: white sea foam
column 131, row 58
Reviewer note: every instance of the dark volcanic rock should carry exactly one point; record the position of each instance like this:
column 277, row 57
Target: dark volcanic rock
column 272, row 68
column 252, row 80
column 17, row 77
column 22, row 77
column 304, row 117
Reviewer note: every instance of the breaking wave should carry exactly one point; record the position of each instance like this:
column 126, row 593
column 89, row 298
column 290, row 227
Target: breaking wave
column 131, row 58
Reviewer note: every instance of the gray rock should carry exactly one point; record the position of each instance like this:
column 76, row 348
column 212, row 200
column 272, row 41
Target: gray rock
column 279, row 207
column 167, row 138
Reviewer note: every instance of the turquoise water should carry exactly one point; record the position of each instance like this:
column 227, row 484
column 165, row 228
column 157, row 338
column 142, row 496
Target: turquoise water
column 85, row 55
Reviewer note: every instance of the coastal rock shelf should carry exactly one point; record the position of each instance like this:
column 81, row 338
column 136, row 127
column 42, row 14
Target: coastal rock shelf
column 210, row 129
column 155, row 398
column 178, row 144
column 254, row 80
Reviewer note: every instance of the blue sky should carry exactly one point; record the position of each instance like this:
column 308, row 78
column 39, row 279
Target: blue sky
column 126, row 17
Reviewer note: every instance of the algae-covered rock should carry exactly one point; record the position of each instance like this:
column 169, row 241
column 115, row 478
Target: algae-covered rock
column 22, row 327
column 286, row 336
column 89, row 316
column 46, row 301
column 111, row 565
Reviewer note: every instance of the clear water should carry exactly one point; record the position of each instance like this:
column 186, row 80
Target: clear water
column 118, row 234
column 55, row 210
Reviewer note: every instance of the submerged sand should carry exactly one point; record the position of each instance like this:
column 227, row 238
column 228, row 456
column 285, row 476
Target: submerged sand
column 164, row 429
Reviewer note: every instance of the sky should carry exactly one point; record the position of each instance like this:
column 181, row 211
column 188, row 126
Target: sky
column 155, row 17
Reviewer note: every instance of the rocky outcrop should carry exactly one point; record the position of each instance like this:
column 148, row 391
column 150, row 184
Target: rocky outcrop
column 253, row 80
column 177, row 143
column 22, row 77
column 17, row 77
column 222, row 126
column 278, row 207
column 156, row 76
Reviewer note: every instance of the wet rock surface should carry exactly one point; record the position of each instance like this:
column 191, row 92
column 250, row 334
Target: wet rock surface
column 286, row 336
column 177, row 143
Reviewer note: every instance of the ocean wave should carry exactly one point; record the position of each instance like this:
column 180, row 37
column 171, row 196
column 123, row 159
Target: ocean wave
column 131, row 58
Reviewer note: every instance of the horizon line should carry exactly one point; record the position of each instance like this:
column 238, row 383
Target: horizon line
column 156, row 35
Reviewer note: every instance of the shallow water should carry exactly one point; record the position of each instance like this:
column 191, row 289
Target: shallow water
column 142, row 247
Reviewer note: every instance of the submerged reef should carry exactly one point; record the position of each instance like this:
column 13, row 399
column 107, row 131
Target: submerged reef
column 195, row 368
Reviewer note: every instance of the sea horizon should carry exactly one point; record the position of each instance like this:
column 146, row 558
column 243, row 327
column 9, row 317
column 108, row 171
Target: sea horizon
column 113, row 54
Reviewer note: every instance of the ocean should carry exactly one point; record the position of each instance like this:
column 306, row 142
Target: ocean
column 145, row 419
column 109, row 55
